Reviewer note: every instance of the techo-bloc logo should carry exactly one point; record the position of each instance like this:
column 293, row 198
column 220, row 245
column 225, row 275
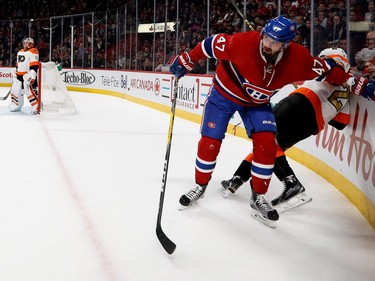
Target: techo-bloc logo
column 78, row 78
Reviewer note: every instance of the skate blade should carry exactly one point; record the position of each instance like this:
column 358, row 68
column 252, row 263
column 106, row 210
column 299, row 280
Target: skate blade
column 257, row 216
column 297, row 201
column 183, row 208
column 223, row 191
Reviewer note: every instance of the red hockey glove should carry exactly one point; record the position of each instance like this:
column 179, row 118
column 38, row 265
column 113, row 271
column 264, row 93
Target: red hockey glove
column 364, row 87
column 336, row 75
column 181, row 64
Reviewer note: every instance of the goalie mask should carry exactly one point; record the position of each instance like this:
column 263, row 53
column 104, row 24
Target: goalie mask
column 338, row 55
column 28, row 43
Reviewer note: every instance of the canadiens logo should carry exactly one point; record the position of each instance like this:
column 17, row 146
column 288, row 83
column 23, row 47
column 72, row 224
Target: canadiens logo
column 211, row 125
column 258, row 95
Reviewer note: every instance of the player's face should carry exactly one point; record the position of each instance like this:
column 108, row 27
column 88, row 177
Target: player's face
column 27, row 45
column 271, row 47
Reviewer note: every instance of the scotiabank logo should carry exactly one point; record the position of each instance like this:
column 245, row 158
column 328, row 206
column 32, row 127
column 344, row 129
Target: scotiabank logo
column 5, row 75
column 78, row 78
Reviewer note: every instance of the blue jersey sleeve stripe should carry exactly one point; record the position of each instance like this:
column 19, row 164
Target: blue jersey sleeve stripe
column 207, row 46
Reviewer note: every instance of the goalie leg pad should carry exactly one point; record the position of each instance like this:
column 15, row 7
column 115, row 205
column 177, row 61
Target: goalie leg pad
column 31, row 96
column 16, row 96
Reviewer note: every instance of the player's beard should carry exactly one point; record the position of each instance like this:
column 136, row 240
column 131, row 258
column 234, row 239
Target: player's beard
column 267, row 52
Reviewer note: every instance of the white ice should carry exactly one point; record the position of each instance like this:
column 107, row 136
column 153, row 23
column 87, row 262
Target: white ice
column 80, row 195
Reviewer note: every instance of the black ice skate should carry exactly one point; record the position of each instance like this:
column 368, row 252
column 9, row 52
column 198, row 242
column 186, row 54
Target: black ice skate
column 292, row 196
column 262, row 210
column 192, row 196
column 230, row 185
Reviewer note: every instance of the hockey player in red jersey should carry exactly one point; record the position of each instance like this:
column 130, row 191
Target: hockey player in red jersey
column 303, row 113
column 26, row 77
column 252, row 67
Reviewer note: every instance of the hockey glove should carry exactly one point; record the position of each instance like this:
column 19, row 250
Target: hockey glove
column 337, row 74
column 30, row 77
column 33, row 76
column 364, row 87
column 181, row 64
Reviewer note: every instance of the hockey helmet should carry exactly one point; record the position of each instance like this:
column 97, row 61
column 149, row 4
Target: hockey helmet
column 28, row 40
column 338, row 55
column 280, row 29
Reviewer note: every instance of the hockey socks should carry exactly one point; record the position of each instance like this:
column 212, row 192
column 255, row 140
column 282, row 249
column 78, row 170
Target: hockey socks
column 208, row 149
column 264, row 157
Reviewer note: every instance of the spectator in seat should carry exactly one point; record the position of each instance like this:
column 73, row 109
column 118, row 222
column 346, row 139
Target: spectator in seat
column 199, row 67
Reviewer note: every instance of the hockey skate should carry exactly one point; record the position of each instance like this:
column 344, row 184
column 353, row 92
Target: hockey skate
column 192, row 197
column 230, row 185
column 262, row 210
column 292, row 196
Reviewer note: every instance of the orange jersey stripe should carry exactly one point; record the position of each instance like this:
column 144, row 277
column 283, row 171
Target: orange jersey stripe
column 342, row 117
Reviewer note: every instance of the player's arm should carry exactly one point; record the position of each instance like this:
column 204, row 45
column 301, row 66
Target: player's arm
column 34, row 66
column 328, row 70
column 217, row 46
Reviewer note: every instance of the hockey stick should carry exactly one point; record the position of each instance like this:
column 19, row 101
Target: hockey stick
column 6, row 96
column 242, row 15
column 167, row 244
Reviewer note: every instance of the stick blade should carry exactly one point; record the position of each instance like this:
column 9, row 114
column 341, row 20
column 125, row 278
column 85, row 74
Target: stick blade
column 167, row 243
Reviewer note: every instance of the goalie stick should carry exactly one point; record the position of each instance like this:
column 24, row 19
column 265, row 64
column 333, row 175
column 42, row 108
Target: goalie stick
column 6, row 96
column 167, row 243
column 242, row 15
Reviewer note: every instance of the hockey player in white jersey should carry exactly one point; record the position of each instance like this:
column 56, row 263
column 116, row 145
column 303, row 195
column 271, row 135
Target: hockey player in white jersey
column 25, row 81
column 304, row 112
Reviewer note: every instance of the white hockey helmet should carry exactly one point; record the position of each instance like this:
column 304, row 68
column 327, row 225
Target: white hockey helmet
column 29, row 41
column 338, row 55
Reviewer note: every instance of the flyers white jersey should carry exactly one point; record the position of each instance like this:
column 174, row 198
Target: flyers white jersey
column 329, row 101
column 26, row 59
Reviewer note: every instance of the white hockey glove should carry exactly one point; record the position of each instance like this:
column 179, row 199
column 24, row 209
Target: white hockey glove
column 32, row 75
column 29, row 77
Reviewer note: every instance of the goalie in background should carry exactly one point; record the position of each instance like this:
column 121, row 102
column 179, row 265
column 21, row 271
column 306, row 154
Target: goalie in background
column 25, row 81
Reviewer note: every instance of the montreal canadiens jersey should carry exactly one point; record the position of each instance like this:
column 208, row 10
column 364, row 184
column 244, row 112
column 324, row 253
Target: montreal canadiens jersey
column 243, row 74
column 329, row 101
column 26, row 59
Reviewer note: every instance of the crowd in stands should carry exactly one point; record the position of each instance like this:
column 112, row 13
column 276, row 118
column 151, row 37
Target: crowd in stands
column 114, row 41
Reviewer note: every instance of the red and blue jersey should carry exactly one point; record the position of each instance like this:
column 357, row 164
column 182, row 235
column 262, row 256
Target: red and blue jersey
column 243, row 74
